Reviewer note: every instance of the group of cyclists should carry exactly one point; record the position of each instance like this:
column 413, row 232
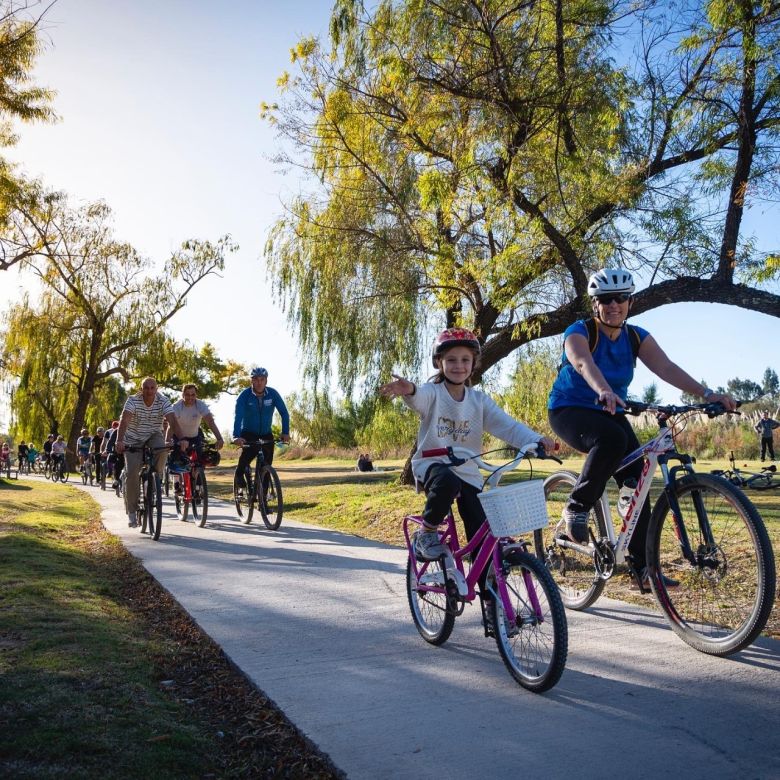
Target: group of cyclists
column 171, row 430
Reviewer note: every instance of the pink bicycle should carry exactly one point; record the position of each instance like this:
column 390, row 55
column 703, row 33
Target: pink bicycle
column 521, row 605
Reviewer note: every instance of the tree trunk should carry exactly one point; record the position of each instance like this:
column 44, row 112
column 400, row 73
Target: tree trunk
column 407, row 478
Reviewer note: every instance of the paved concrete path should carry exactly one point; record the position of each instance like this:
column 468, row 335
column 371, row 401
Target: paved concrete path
column 319, row 621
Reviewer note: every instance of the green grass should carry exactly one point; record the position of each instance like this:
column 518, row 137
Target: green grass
column 79, row 696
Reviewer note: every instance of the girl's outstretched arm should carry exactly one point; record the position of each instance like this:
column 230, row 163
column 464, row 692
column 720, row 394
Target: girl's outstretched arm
column 399, row 387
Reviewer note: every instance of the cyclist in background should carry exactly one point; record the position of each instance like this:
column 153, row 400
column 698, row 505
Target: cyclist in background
column 47, row 447
column 83, row 447
column 113, row 458
column 58, row 450
column 585, row 406
column 5, row 454
column 141, row 423
column 97, row 442
column 22, row 452
column 189, row 411
column 32, row 454
column 254, row 412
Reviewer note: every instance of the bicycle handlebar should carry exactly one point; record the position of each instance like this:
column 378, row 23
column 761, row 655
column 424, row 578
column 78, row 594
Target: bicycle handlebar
column 711, row 410
column 459, row 455
column 247, row 445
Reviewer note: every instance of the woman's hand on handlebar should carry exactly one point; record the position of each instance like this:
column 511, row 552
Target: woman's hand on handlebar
column 722, row 398
column 610, row 401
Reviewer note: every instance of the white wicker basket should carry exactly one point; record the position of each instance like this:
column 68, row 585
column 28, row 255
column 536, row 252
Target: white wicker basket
column 515, row 509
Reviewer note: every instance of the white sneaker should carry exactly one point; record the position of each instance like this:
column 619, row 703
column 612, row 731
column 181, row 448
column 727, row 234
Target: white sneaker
column 427, row 546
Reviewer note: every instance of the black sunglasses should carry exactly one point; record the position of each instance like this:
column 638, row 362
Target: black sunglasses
column 617, row 298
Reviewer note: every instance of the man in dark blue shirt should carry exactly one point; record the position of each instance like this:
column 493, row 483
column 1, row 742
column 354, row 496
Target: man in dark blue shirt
column 255, row 408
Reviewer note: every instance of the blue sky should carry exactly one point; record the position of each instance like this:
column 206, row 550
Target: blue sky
column 159, row 117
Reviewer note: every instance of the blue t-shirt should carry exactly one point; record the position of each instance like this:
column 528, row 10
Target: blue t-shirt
column 615, row 360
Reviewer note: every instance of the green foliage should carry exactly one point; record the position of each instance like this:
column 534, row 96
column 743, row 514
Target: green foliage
column 471, row 163
column 101, row 317
column 20, row 100
column 532, row 378
column 650, row 394
column 744, row 389
column 393, row 428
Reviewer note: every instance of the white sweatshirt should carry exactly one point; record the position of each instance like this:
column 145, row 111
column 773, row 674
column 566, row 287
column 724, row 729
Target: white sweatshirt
column 446, row 422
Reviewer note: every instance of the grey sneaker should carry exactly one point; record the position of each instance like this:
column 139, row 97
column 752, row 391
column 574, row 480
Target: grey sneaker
column 427, row 546
column 576, row 525
column 132, row 521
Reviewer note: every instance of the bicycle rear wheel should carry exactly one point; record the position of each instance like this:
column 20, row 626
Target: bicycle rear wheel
column 200, row 497
column 429, row 608
column 723, row 600
column 270, row 498
column 535, row 647
column 574, row 572
column 64, row 473
column 182, row 504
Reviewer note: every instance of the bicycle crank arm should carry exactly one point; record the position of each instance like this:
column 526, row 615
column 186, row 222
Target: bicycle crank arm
column 568, row 544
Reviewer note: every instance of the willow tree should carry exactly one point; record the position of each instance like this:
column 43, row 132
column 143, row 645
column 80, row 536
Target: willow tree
column 473, row 160
column 103, row 309
column 20, row 101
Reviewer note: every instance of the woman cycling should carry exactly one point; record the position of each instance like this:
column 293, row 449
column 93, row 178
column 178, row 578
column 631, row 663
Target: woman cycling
column 586, row 400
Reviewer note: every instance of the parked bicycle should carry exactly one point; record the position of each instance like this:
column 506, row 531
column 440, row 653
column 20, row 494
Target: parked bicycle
column 191, row 491
column 704, row 533
column 150, row 496
column 522, row 603
column 763, row 480
column 263, row 489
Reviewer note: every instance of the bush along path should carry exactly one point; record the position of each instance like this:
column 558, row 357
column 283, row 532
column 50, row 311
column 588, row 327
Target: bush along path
column 103, row 673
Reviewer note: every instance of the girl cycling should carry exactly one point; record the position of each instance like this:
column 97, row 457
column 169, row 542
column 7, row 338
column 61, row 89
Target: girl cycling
column 453, row 414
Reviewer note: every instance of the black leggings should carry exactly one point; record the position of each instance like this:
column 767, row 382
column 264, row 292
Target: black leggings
column 607, row 439
column 248, row 454
column 442, row 487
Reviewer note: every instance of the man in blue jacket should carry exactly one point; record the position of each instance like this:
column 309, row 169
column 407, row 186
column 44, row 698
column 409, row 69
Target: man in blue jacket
column 254, row 412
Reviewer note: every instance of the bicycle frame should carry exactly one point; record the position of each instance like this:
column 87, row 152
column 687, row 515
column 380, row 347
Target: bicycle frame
column 490, row 550
column 656, row 453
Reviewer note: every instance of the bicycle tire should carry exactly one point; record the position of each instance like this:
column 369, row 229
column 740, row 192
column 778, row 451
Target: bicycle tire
column 723, row 603
column 64, row 474
column 245, row 506
column 574, row 573
column 200, row 497
column 83, row 475
column 167, row 482
column 146, row 510
column 534, row 650
column 271, row 503
column 181, row 503
column 157, row 508
column 429, row 610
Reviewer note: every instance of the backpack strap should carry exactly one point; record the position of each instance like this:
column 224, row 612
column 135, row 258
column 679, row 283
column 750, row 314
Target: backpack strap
column 593, row 339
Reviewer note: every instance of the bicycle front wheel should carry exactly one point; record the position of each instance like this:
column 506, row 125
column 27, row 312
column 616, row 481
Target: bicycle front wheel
column 429, row 608
column 154, row 506
column 200, row 498
column 574, row 572
column 270, row 499
column 182, row 505
column 724, row 597
column 64, row 473
column 244, row 498
column 535, row 646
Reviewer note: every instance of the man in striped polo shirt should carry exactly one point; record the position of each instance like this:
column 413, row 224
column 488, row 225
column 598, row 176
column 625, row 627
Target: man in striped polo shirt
column 141, row 423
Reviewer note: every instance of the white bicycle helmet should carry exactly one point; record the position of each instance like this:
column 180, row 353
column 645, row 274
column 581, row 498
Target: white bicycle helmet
column 611, row 280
